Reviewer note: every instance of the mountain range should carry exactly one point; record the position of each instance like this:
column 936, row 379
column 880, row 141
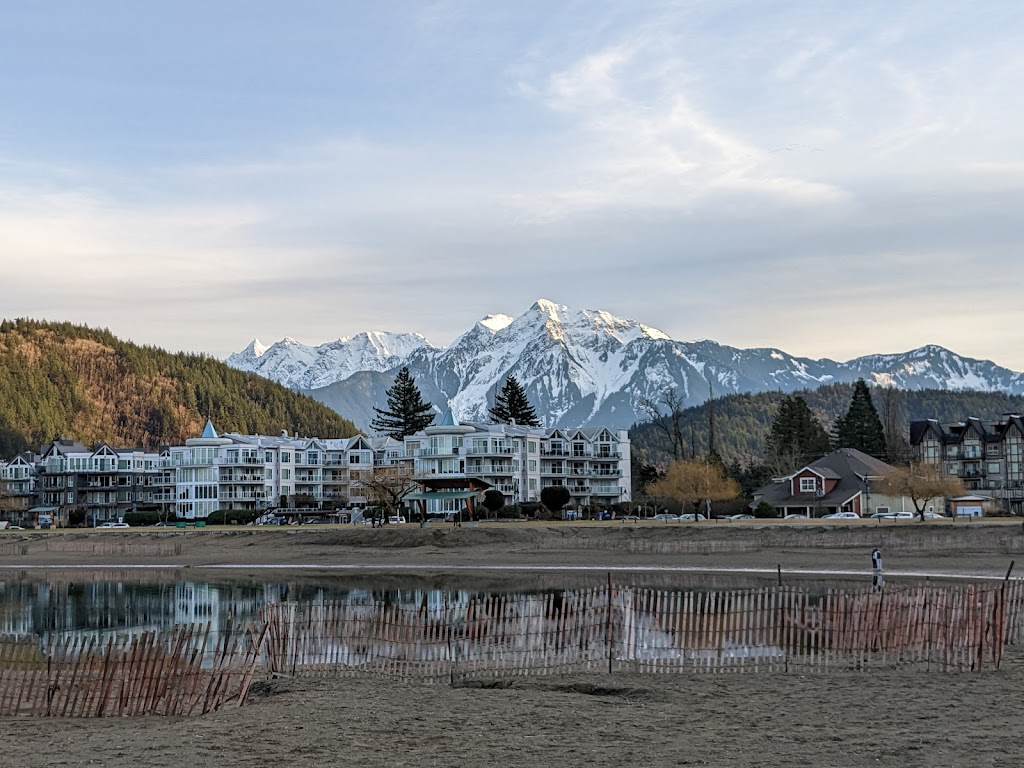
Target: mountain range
column 584, row 367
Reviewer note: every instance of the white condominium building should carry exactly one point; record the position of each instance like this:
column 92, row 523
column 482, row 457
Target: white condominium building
column 593, row 464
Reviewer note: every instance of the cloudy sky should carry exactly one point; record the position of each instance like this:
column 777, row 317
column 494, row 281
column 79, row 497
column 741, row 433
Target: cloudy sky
column 831, row 178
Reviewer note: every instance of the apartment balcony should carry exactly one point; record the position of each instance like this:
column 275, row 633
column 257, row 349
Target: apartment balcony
column 969, row 473
column 486, row 452
column 489, row 469
column 243, row 461
column 606, row 472
column 606, row 490
column 552, row 452
column 439, row 452
column 968, row 455
column 101, row 485
column 578, row 489
column 241, row 496
column 243, row 479
column 610, row 455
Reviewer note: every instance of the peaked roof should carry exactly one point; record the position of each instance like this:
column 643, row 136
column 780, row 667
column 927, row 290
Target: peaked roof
column 848, row 466
column 449, row 419
column 209, row 432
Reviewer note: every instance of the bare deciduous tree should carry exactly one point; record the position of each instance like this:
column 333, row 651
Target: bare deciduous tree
column 666, row 414
column 921, row 483
column 387, row 486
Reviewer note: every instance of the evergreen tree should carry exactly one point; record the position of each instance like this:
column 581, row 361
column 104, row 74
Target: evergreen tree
column 796, row 437
column 511, row 405
column 860, row 427
column 406, row 413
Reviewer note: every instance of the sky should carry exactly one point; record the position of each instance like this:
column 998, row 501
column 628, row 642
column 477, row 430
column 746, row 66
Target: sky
column 830, row 178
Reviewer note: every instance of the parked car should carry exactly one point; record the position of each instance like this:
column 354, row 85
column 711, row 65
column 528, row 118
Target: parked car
column 893, row 516
column 396, row 519
column 688, row 517
column 741, row 517
column 934, row 516
column 115, row 525
column 796, row 517
column 842, row 516
column 666, row 517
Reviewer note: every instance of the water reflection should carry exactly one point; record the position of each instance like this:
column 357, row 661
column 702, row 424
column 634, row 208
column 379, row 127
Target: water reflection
column 99, row 602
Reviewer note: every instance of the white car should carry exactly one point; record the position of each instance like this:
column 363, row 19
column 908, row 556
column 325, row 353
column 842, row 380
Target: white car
column 796, row 517
column 115, row 525
column 690, row 518
column 396, row 519
column 842, row 516
column 666, row 517
column 933, row 516
column 741, row 516
column 893, row 516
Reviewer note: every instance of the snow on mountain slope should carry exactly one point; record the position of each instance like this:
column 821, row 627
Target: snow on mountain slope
column 299, row 366
column 584, row 367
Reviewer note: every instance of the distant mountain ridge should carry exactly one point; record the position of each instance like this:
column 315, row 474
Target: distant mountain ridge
column 63, row 380
column 584, row 367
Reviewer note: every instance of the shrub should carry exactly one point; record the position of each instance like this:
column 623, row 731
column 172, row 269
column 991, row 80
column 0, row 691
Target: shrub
column 554, row 497
column 510, row 512
column 493, row 500
column 141, row 518
column 233, row 516
column 76, row 518
column 764, row 509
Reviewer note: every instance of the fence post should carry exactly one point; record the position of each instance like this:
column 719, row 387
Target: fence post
column 608, row 622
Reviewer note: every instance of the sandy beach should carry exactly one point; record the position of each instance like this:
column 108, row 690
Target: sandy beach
column 842, row 719
column 907, row 717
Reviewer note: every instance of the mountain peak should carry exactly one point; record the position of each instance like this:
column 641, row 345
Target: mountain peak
column 256, row 348
column 495, row 323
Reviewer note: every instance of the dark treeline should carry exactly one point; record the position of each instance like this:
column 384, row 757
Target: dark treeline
column 742, row 422
column 63, row 380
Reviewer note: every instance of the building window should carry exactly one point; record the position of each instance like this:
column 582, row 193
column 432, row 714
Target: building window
column 993, row 467
column 808, row 485
column 286, row 457
column 533, row 465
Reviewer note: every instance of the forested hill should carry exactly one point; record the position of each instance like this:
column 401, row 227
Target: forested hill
column 62, row 380
column 742, row 421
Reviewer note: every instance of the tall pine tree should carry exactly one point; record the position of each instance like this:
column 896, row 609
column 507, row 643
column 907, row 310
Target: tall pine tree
column 406, row 413
column 796, row 437
column 511, row 405
column 861, row 428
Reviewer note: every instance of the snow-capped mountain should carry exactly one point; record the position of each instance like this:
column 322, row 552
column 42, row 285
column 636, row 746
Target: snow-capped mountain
column 583, row 367
column 299, row 366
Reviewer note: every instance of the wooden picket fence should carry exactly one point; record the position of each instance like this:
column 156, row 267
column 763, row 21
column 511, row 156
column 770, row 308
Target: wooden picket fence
column 192, row 669
column 951, row 628
column 183, row 671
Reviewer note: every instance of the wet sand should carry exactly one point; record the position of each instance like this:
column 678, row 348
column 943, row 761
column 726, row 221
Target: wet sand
column 841, row 719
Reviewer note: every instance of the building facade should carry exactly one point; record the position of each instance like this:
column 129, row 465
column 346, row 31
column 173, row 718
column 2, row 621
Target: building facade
column 987, row 456
column 257, row 472
column 592, row 464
